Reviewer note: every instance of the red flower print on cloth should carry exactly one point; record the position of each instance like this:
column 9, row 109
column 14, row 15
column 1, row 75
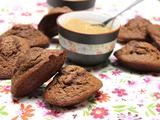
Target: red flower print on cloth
column 132, row 83
column 157, row 95
column 99, row 112
column 43, row 4
column 41, row 104
column 148, row 80
column 119, row 92
column 102, row 97
column 156, row 18
column 26, row 14
column 1, row 21
column 5, row 89
column 24, row 112
column 158, row 107
column 54, row 113
column 116, row 72
column 104, row 76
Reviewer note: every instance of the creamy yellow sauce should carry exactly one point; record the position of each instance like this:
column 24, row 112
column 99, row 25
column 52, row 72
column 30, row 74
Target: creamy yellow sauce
column 81, row 26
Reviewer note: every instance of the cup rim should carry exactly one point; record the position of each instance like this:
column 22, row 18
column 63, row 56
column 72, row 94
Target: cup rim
column 75, row 12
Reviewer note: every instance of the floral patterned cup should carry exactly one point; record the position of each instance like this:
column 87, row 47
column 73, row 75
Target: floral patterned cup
column 87, row 49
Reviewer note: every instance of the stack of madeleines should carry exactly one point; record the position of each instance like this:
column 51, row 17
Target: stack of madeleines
column 142, row 44
column 24, row 60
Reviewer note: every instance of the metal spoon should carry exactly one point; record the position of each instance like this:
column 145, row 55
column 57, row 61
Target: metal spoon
column 112, row 18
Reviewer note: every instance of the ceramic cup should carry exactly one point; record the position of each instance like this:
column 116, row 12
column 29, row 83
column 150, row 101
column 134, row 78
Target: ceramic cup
column 87, row 49
column 73, row 4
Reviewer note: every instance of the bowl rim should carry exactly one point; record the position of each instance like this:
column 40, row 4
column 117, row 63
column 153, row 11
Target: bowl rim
column 75, row 12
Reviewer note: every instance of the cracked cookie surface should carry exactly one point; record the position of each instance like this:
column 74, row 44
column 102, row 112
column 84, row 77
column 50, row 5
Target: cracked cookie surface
column 34, row 37
column 140, row 56
column 134, row 29
column 34, row 68
column 72, row 85
column 154, row 32
column 10, row 49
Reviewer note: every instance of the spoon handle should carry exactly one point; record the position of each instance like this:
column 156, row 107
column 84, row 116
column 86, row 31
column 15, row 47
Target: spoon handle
column 130, row 6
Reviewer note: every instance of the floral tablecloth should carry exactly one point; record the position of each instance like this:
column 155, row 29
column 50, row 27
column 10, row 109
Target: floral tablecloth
column 125, row 95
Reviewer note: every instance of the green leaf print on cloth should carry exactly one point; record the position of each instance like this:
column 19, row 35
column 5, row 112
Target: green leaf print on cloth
column 3, row 112
column 121, row 108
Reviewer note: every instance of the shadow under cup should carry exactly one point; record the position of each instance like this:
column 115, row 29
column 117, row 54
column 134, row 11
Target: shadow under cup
column 87, row 49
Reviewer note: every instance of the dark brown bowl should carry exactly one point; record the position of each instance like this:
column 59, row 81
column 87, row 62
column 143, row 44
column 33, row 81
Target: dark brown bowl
column 73, row 4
